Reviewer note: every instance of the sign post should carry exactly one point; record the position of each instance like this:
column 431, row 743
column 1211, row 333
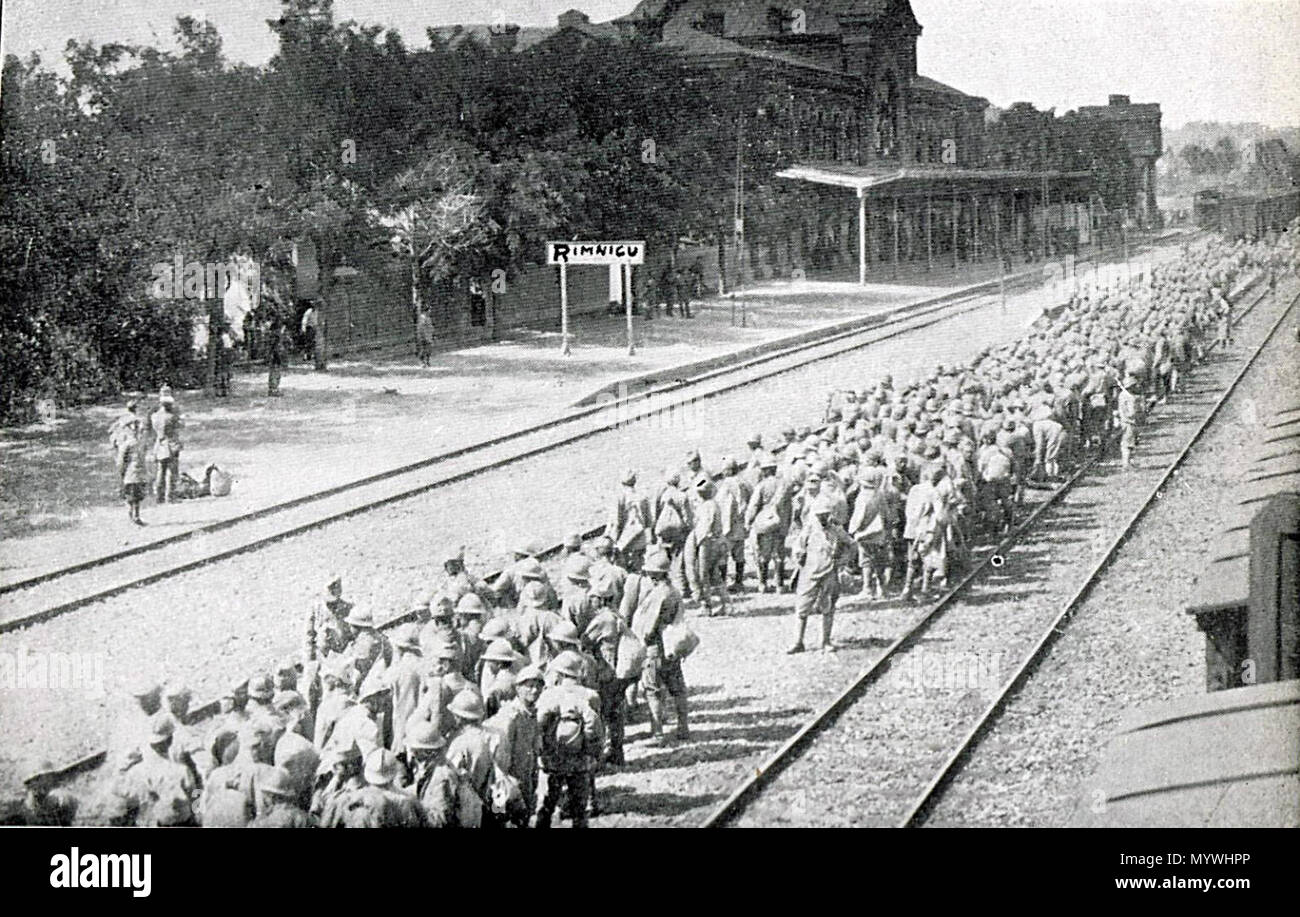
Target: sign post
column 566, row 253
column 627, row 300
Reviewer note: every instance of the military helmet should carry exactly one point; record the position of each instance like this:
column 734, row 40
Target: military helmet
column 260, row 688
column 471, row 605
column 577, row 568
column 528, row 673
column 568, row 663
column 380, row 767
column 467, row 705
column 277, row 782
column 497, row 628
column 656, row 562
column 564, row 632
column 423, row 735
column 500, row 651
column 530, row 568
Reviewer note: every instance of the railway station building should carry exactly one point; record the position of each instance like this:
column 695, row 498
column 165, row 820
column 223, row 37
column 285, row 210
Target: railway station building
column 887, row 167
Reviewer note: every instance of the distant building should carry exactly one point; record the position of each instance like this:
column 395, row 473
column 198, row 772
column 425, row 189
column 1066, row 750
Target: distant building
column 1139, row 125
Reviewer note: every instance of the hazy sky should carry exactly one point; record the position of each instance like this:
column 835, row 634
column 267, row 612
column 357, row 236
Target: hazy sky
column 1226, row 60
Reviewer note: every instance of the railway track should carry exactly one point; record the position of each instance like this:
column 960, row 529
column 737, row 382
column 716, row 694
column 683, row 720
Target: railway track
column 761, row 368
column 904, row 742
column 57, row 592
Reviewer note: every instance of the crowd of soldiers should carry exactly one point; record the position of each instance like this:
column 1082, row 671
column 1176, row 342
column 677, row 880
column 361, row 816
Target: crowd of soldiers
column 491, row 703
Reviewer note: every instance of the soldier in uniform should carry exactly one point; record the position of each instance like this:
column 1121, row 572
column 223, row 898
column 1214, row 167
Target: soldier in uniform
column 134, row 727
column 673, row 520
column 496, row 681
column 509, row 585
column 164, row 790
column 629, row 523
column 381, row 804
column 578, row 606
column 571, row 737
column 442, row 682
column 733, row 498
column 520, row 743
column 432, row 782
column 650, row 607
column 166, row 425
column 328, row 630
column 600, row 639
column 278, row 803
column 816, row 556
column 768, row 517
column 403, row 678
column 707, row 550
column 470, row 751
column 470, row 612
column 339, row 782
column 229, row 795
column 1126, row 411
column 603, row 568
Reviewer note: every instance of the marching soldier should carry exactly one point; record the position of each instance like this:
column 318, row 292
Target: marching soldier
column 650, row 607
column 470, row 751
column 816, row 556
column 341, row 782
column 603, row 569
column 403, row 678
column 706, row 550
column 768, row 517
column 629, row 523
column 278, row 803
column 733, row 498
column 520, row 742
column 571, row 734
column 674, row 518
column 381, row 804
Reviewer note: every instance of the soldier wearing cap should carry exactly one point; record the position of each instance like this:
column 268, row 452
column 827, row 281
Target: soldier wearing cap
column 650, row 605
column 133, row 727
column 733, row 494
column 603, row 569
column 380, row 803
column 470, row 615
column 1126, row 414
column 403, row 678
column 572, row 545
column 328, row 631
column 442, row 682
column 872, row 526
column 571, row 737
column 768, row 516
column 295, row 753
column 229, row 795
column 336, row 680
column 469, row 751
column 674, row 517
column 339, row 782
column 578, row 607
column 260, row 692
column 629, row 523
column 706, row 550
column 362, row 723
column 457, row 582
column 816, row 554
column 163, row 790
column 496, row 681
column 690, row 473
column 535, row 621
column 279, row 805
column 433, row 782
column 508, row 588
column 600, row 641
column 520, row 739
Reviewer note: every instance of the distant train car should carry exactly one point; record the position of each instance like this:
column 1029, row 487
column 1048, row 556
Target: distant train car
column 1242, row 216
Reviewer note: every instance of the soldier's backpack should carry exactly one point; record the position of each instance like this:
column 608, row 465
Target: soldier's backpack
column 570, row 735
column 998, row 466
column 670, row 525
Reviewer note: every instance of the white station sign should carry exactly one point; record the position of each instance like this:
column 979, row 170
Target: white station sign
column 595, row 253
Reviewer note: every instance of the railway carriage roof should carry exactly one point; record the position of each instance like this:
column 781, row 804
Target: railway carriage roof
column 1275, row 470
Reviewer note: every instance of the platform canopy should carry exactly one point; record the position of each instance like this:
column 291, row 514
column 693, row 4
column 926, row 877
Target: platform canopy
column 926, row 179
column 894, row 182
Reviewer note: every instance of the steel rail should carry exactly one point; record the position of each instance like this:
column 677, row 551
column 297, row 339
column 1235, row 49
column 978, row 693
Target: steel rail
column 779, row 760
column 926, row 801
column 906, row 325
column 861, row 326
